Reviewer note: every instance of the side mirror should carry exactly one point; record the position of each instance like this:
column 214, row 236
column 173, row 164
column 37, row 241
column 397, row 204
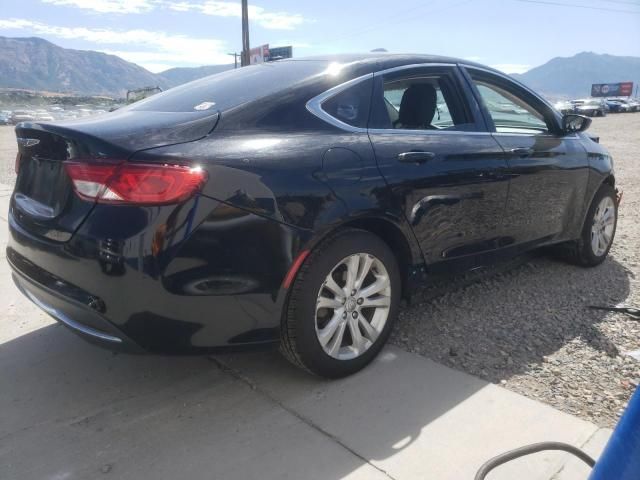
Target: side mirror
column 572, row 123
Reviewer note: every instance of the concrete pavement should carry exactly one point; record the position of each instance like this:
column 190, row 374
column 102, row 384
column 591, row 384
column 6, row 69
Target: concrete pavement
column 69, row 410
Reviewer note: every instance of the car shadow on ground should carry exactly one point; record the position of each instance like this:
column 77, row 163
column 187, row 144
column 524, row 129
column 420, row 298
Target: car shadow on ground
column 81, row 411
column 73, row 410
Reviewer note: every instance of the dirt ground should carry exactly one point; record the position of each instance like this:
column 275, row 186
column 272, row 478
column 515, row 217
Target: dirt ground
column 8, row 151
column 526, row 325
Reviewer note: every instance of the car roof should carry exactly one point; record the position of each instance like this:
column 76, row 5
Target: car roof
column 383, row 60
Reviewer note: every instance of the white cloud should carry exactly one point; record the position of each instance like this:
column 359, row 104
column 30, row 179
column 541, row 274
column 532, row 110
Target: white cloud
column 259, row 15
column 269, row 20
column 151, row 47
column 512, row 67
column 108, row 6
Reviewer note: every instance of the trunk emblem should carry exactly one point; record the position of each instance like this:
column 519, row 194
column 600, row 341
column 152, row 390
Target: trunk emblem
column 27, row 142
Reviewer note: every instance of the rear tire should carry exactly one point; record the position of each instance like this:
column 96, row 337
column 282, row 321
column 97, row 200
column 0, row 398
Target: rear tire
column 349, row 330
column 597, row 233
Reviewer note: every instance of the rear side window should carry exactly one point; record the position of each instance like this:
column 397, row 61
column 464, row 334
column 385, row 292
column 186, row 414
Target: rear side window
column 351, row 106
column 229, row 89
column 420, row 101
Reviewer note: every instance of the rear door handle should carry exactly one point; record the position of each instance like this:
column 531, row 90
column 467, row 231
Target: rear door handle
column 415, row 157
column 522, row 151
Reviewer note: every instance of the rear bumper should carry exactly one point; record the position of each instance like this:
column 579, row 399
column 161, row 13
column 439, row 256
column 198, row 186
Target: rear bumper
column 217, row 289
column 77, row 317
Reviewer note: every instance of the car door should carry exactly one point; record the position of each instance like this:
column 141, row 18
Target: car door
column 548, row 170
column 444, row 170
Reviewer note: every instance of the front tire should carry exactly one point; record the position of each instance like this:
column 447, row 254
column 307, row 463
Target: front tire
column 342, row 305
column 598, row 231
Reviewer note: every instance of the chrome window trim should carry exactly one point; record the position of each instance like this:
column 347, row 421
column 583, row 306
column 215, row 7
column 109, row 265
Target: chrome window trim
column 558, row 116
column 404, row 131
column 512, row 80
column 573, row 136
column 413, row 65
column 315, row 104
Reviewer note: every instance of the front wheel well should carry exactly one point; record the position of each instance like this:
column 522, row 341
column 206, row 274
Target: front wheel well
column 610, row 180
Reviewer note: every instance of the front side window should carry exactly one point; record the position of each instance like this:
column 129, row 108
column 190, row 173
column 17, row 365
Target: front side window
column 420, row 102
column 508, row 110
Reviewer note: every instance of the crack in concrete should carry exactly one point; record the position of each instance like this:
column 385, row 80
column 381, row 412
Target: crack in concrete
column 556, row 476
column 239, row 376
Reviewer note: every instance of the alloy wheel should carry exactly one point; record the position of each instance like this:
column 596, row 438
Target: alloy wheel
column 352, row 306
column 604, row 220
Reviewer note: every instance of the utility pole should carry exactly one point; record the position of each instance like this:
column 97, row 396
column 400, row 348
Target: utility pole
column 235, row 58
column 245, row 34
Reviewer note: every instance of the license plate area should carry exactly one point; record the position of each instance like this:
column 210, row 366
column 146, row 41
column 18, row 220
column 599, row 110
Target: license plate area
column 45, row 182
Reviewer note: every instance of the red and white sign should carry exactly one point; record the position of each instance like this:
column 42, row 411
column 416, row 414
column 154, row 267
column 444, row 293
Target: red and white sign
column 259, row 54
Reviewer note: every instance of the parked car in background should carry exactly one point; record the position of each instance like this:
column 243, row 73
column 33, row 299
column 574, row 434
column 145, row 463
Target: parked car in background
column 617, row 106
column 592, row 107
column 296, row 203
column 564, row 106
column 4, row 119
column 626, row 104
column 43, row 116
column 18, row 116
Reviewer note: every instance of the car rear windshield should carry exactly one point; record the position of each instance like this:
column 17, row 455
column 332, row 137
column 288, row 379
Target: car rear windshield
column 228, row 89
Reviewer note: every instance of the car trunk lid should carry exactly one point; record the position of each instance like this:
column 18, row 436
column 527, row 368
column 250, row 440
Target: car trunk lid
column 44, row 202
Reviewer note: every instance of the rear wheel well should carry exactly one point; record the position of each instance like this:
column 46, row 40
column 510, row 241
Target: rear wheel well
column 395, row 239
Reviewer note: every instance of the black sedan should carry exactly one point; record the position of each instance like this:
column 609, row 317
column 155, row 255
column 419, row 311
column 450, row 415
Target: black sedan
column 296, row 203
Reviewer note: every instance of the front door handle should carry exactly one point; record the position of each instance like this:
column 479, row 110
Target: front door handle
column 522, row 151
column 415, row 157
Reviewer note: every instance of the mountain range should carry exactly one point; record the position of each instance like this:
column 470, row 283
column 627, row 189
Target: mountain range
column 37, row 64
column 572, row 77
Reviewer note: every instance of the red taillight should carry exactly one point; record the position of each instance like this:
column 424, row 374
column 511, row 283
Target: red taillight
column 134, row 183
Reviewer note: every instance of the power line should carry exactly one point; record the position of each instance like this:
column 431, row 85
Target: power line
column 573, row 5
column 383, row 23
column 623, row 2
column 400, row 16
column 401, row 20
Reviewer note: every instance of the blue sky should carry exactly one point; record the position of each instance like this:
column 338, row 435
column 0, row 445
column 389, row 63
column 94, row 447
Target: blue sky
column 512, row 35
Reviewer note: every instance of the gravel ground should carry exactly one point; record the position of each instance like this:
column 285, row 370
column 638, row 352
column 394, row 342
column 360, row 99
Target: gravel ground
column 525, row 324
